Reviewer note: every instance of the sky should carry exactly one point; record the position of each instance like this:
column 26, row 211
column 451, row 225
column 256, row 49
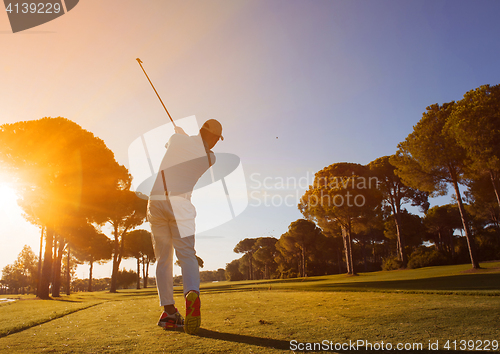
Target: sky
column 297, row 86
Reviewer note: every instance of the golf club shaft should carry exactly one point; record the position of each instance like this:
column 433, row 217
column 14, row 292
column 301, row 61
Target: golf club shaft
column 140, row 63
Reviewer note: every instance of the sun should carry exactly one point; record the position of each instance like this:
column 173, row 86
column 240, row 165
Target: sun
column 8, row 197
column 15, row 230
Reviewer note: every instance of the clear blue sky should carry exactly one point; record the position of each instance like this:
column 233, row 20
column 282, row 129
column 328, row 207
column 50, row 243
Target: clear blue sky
column 297, row 85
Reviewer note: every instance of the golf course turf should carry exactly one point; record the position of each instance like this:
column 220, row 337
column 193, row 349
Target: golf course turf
column 447, row 308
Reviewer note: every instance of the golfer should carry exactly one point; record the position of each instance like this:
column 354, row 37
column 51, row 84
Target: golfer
column 171, row 215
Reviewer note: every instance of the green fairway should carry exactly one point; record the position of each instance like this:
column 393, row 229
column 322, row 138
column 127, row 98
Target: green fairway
column 457, row 279
column 412, row 307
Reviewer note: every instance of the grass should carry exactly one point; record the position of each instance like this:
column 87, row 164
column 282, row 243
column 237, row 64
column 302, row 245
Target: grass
column 456, row 279
column 413, row 306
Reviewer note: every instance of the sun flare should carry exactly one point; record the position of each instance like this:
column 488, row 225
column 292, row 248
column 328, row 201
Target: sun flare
column 8, row 197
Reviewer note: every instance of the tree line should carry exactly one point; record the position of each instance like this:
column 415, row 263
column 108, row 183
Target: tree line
column 354, row 215
column 71, row 186
column 22, row 277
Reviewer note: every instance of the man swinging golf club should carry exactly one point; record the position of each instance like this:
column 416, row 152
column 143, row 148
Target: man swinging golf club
column 171, row 215
column 172, row 218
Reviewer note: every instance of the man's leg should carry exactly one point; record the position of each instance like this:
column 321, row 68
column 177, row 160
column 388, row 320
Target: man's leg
column 186, row 254
column 184, row 249
column 163, row 247
column 170, row 319
column 164, row 271
column 160, row 221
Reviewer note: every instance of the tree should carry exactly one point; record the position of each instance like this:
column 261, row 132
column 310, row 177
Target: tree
column 201, row 263
column 126, row 212
column 132, row 249
column 13, row 278
column 92, row 246
column 27, row 261
column 265, row 253
column 395, row 193
column 475, row 124
column 62, row 172
column 304, row 250
column 125, row 278
column 22, row 273
column 302, row 234
column 367, row 236
column 344, row 195
column 413, row 231
column 69, row 268
column 138, row 244
column 331, row 250
column 198, row 259
column 288, row 257
column 232, row 271
column 430, row 158
column 442, row 221
column 59, row 247
column 213, row 275
column 220, row 274
column 246, row 246
column 481, row 197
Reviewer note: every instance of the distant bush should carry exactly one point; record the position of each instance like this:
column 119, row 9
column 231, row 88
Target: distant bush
column 213, row 275
column 426, row 257
column 126, row 278
column 488, row 244
column 391, row 263
column 99, row 284
column 178, row 280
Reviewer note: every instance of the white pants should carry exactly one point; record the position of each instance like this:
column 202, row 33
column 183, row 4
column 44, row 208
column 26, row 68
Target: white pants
column 166, row 238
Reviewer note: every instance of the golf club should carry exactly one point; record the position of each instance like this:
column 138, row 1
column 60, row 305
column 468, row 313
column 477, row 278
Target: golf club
column 211, row 170
column 140, row 63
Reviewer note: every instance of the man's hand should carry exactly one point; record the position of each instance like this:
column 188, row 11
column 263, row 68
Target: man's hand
column 179, row 130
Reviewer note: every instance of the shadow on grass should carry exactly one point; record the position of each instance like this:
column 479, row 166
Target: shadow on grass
column 463, row 284
column 285, row 345
column 65, row 300
column 135, row 292
column 24, row 326
column 240, row 338
column 447, row 283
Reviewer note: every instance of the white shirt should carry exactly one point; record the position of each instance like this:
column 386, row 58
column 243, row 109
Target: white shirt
column 185, row 161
